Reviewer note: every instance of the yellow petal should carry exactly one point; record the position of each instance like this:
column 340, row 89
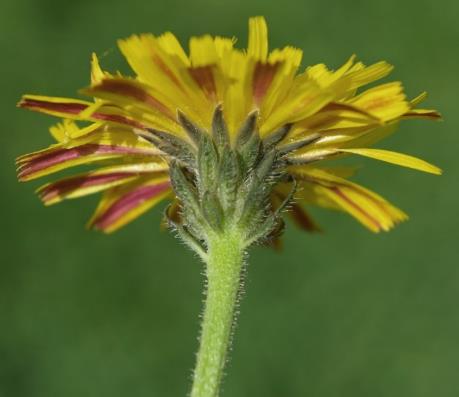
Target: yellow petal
column 203, row 51
column 386, row 101
column 286, row 62
column 62, row 132
column 122, row 204
column 76, row 109
column 236, row 100
column 258, row 39
column 160, row 63
column 137, row 99
column 420, row 98
column 429, row 114
column 403, row 160
column 97, row 74
column 97, row 181
column 301, row 103
column 325, row 77
column 170, row 45
column 330, row 191
column 366, row 74
column 55, row 106
column 338, row 116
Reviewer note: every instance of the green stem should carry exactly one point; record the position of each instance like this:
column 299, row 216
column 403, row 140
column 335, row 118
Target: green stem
column 224, row 265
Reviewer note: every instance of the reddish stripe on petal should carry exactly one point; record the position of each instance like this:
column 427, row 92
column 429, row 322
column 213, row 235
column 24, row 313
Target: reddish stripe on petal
column 69, row 107
column 74, row 109
column 430, row 114
column 335, row 106
column 67, row 185
column 262, row 78
column 341, row 194
column 58, row 156
column 204, row 77
column 128, row 202
column 302, row 219
column 298, row 214
column 115, row 118
column 130, row 89
column 167, row 71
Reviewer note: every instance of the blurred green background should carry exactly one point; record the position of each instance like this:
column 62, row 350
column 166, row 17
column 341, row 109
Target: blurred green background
column 345, row 313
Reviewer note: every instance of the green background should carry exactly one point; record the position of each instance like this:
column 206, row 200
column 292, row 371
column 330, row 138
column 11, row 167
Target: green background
column 345, row 313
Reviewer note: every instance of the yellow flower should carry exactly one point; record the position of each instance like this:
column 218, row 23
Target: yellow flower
column 309, row 115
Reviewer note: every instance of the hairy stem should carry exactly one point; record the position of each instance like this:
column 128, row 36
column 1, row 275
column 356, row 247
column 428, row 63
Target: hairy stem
column 223, row 271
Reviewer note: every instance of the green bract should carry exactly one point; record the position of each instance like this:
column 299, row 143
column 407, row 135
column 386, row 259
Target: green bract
column 223, row 185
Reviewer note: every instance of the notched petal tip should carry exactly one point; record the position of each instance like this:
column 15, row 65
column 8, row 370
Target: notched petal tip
column 28, row 100
column 21, row 102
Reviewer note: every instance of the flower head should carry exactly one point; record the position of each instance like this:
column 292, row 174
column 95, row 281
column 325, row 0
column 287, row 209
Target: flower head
column 236, row 131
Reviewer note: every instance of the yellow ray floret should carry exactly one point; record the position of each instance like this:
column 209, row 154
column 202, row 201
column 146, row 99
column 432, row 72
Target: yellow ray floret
column 258, row 39
column 326, row 189
column 122, row 204
column 400, row 159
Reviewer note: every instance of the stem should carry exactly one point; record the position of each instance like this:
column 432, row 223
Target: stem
column 224, row 264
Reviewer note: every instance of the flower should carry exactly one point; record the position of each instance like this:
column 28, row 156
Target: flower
column 136, row 127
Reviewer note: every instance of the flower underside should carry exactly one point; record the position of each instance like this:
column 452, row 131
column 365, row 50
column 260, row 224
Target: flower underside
column 222, row 186
column 229, row 135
